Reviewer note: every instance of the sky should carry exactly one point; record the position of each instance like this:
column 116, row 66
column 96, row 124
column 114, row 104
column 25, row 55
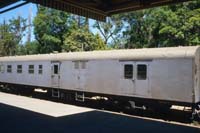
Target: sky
column 24, row 11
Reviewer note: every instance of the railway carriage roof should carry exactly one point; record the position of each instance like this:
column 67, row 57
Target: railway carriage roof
column 126, row 54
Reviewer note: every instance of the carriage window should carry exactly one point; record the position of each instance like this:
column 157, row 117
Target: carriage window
column 83, row 64
column 9, row 68
column 76, row 64
column 128, row 71
column 40, row 69
column 19, row 68
column 55, row 69
column 141, row 72
column 2, row 68
column 31, row 69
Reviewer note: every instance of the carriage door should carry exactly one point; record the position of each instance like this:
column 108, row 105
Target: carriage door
column 127, row 77
column 142, row 79
column 55, row 74
column 80, row 73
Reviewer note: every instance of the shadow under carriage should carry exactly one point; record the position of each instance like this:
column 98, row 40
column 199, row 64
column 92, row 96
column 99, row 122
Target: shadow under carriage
column 14, row 119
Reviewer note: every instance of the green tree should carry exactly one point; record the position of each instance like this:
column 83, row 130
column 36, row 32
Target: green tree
column 17, row 27
column 28, row 49
column 7, row 43
column 50, row 25
column 178, row 24
column 83, row 40
column 171, row 25
column 138, row 30
column 63, row 32
column 11, row 34
column 111, row 29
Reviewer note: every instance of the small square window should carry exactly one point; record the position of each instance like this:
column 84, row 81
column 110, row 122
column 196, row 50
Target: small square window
column 19, row 68
column 141, row 72
column 31, row 69
column 9, row 68
column 128, row 71
column 40, row 69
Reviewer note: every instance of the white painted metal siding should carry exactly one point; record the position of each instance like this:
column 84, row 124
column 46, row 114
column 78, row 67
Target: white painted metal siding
column 171, row 74
column 35, row 79
column 196, row 76
column 103, row 77
column 172, row 80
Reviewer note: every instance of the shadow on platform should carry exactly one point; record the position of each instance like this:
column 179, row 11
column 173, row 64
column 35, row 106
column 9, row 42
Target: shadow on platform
column 16, row 120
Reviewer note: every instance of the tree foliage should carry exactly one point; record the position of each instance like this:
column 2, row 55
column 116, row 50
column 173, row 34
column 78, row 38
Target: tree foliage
column 11, row 34
column 111, row 30
column 28, row 48
column 49, row 28
column 63, row 32
column 83, row 40
column 175, row 25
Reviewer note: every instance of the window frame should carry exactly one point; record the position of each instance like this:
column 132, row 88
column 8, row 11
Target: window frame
column 57, row 68
column 9, row 68
column 19, row 70
column 76, row 64
column 83, row 65
column 2, row 68
column 141, row 74
column 40, row 69
column 31, row 69
column 128, row 74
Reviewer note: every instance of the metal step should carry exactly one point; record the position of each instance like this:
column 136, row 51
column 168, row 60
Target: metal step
column 80, row 96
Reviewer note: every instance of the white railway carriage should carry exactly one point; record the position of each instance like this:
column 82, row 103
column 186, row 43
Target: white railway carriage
column 159, row 75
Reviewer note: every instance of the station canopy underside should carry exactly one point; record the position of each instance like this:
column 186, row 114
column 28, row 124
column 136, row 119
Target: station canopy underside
column 96, row 9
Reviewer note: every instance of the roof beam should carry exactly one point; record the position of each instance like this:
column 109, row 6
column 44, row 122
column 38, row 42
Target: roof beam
column 4, row 3
column 133, row 5
column 96, row 9
column 11, row 8
column 72, row 7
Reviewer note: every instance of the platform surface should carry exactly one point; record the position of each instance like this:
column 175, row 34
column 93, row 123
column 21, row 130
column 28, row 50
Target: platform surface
column 28, row 115
column 41, row 106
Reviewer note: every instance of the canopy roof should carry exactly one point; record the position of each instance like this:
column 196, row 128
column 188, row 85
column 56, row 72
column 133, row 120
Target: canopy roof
column 4, row 3
column 96, row 9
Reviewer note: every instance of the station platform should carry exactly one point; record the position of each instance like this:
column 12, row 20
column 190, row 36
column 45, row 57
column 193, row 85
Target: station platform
column 25, row 114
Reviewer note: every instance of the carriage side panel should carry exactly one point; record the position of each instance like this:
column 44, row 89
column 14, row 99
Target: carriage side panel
column 172, row 79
